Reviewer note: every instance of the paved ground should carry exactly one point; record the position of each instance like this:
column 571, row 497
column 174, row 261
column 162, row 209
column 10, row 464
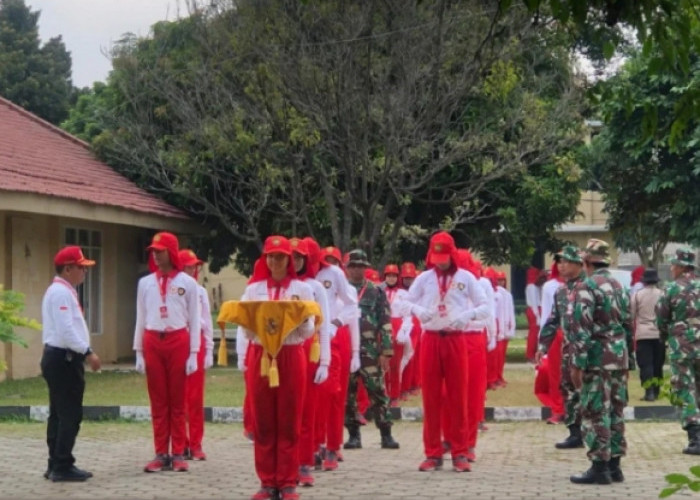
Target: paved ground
column 515, row 460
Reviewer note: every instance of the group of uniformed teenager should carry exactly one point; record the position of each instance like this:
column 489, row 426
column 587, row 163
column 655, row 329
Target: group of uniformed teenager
column 331, row 345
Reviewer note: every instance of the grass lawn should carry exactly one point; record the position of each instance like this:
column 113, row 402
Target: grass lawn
column 224, row 387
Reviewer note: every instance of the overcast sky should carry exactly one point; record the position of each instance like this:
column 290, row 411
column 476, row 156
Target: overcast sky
column 89, row 27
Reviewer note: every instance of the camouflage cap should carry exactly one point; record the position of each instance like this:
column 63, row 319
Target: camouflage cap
column 357, row 258
column 570, row 253
column 597, row 251
column 684, row 257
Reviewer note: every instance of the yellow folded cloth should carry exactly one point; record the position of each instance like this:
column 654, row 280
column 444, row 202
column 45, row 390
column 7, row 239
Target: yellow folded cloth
column 271, row 321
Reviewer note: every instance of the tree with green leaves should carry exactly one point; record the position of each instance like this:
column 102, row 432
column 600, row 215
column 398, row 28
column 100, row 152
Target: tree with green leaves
column 33, row 76
column 11, row 306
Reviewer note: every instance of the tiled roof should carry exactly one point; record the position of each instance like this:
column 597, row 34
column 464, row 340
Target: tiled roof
column 37, row 157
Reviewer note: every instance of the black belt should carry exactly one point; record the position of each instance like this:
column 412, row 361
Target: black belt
column 68, row 353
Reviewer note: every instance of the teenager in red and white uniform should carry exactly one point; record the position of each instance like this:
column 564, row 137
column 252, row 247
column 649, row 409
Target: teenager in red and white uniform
column 445, row 299
column 492, row 354
column 277, row 411
column 506, row 317
column 194, row 398
column 306, row 265
column 167, row 338
column 556, row 399
column 410, row 376
column 345, row 356
column 394, row 293
column 533, row 301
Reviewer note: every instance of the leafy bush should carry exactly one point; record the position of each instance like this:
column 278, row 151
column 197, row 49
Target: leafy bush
column 11, row 305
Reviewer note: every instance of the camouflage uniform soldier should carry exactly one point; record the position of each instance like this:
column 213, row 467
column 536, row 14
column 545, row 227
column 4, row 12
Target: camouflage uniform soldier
column 572, row 272
column 375, row 352
column 678, row 319
column 598, row 315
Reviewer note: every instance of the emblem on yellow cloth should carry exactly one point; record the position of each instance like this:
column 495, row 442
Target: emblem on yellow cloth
column 271, row 321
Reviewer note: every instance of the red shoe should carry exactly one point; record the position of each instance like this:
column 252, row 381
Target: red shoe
column 161, row 462
column 198, row 454
column 289, row 494
column 361, row 418
column 305, row 477
column 248, row 436
column 179, row 464
column 394, row 403
column 491, row 386
column 471, row 455
column 460, row 463
column 555, row 419
column 265, row 493
column 430, row 464
column 331, row 461
column 446, row 447
column 483, row 427
column 339, row 455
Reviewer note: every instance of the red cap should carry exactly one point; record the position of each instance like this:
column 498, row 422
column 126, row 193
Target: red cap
column 372, row 275
column 391, row 269
column 501, row 275
column 277, row 244
column 188, row 258
column 72, row 255
column 408, row 270
column 165, row 241
column 332, row 252
column 299, row 246
column 442, row 248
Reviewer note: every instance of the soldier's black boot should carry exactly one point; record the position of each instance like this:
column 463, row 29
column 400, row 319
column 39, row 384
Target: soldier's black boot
column 693, row 447
column 597, row 474
column 387, row 440
column 573, row 441
column 649, row 394
column 354, row 442
column 615, row 470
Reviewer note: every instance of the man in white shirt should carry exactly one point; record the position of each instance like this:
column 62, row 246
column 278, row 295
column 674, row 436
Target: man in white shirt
column 167, row 338
column 66, row 342
column 445, row 299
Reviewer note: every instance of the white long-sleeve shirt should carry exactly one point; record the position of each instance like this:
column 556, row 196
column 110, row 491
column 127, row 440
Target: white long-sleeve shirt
column 63, row 323
column 533, row 299
column 205, row 316
column 464, row 300
column 489, row 322
column 181, row 301
column 506, row 314
column 297, row 290
column 342, row 298
column 325, row 329
column 548, row 291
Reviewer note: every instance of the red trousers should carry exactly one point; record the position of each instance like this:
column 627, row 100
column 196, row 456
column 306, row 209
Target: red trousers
column 502, row 349
column 337, row 391
column 554, row 355
column 444, row 361
column 542, row 382
column 166, row 356
column 194, row 401
column 307, row 440
column 492, row 367
column 409, row 377
column 533, row 331
column 476, row 392
column 392, row 379
column 278, row 412
column 248, row 417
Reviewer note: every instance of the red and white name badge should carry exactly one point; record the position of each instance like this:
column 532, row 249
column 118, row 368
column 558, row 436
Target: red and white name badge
column 163, row 312
column 442, row 310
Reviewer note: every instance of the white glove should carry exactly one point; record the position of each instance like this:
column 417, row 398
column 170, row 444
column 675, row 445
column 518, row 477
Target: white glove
column 404, row 335
column 208, row 359
column 191, row 365
column 460, row 321
column 140, row 362
column 321, row 374
column 241, row 363
column 423, row 314
column 407, row 355
column 355, row 362
column 492, row 344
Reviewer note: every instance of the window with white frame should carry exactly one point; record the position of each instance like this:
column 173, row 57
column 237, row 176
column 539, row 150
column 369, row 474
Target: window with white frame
column 90, row 292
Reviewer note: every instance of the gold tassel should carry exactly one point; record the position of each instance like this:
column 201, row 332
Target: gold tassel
column 264, row 365
column 315, row 352
column 274, row 374
column 223, row 351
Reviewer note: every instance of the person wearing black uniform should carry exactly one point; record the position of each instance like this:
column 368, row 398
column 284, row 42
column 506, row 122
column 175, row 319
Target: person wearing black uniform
column 66, row 342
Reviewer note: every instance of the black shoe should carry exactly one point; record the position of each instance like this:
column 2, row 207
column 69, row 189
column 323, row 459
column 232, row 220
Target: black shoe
column 693, row 447
column 72, row 474
column 47, row 473
column 649, row 394
column 597, row 474
column 615, row 470
column 387, row 440
column 354, row 442
column 573, row 441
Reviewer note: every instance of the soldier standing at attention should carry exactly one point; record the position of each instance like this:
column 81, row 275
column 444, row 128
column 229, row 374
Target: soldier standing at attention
column 571, row 270
column 678, row 319
column 375, row 353
column 602, row 339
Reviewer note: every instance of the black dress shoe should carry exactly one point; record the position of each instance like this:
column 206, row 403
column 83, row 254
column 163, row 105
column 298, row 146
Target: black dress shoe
column 47, row 473
column 72, row 474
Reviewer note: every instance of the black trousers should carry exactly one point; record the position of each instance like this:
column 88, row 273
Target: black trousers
column 64, row 373
column 651, row 354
